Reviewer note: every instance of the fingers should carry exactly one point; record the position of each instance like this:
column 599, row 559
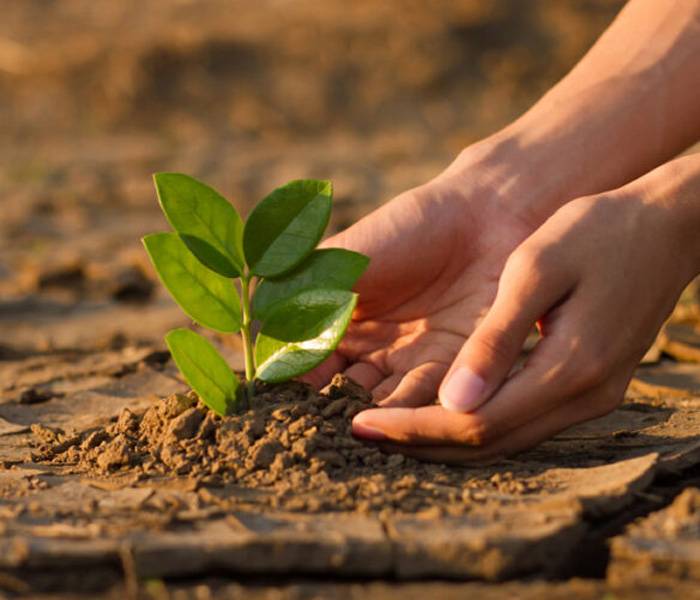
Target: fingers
column 322, row 374
column 587, row 406
column 417, row 387
column 560, row 369
column 384, row 389
column 531, row 284
column 367, row 375
column 568, row 363
column 425, row 425
column 565, row 366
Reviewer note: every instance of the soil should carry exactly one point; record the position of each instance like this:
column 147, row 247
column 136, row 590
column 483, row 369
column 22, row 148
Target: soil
column 111, row 466
column 293, row 444
column 663, row 547
column 293, row 449
column 114, row 481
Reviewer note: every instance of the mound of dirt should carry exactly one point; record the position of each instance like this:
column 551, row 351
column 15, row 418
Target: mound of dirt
column 294, row 444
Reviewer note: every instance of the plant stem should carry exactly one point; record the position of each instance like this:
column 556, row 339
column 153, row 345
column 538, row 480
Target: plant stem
column 247, row 337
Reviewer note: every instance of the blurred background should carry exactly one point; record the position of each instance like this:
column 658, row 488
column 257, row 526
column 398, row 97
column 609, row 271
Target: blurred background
column 95, row 95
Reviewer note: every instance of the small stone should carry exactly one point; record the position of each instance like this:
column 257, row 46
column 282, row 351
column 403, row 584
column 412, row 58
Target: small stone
column 311, row 432
column 46, row 435
column 284, row 439
column 151, row 421
column 183, row 467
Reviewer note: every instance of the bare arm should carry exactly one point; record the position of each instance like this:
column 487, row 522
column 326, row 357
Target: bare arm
column 547, row 220
column 601, row 275
column 632, row 103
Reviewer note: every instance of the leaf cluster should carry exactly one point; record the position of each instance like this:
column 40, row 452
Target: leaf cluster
column 227, row 275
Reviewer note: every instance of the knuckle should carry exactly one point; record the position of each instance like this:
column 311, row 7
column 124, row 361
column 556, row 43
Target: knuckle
column 415, row 428
column 529, row 263
column 476, row 432
column 588, row 369
column 521, row 262
column 423, row 380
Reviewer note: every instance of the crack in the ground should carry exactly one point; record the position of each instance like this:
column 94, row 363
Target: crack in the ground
column 593, row 553
column 590, row 562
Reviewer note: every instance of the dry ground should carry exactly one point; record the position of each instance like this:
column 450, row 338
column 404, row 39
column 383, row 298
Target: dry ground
column 94, row 96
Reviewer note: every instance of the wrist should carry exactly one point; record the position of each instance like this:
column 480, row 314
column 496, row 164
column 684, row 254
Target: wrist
column 675, row 187
column 532, row 169
column 596, row 135
column 673, row 190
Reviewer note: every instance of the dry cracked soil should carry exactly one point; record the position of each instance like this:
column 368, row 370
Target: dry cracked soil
column 113, row 476
column 115, row 482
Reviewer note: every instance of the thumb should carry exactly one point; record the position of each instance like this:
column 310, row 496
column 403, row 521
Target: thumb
column 527, row 291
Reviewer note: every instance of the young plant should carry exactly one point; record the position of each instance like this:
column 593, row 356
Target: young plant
column 226, row 274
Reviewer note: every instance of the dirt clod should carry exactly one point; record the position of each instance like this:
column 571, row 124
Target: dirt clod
column 294, row 444
column 264, row 452
column 186, row 424
column 114, row 454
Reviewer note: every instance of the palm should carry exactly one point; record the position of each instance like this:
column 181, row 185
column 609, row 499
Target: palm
column 436, row 258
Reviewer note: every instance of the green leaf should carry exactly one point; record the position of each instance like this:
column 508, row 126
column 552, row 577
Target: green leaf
column 208, row 298
column 204, row 369
column 331, row 268
column 286, row 226
column 302, row 332
column 204, row 219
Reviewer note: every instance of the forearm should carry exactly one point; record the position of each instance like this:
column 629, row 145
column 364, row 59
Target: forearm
column 674, row 190
column 632, row 103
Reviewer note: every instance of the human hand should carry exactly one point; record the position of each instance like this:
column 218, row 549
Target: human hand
column 438, row 251
column 436, row 254
column 600, row 277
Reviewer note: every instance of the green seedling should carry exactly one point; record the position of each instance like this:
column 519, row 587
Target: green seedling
column 226, row 274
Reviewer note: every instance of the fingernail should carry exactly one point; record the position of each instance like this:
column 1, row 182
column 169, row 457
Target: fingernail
column 367, row 432
column 462, row 391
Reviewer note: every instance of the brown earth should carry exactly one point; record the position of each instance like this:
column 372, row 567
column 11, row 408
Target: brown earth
column 293, row 449
column 101, row 475
column 662, row 548
column 113, row 481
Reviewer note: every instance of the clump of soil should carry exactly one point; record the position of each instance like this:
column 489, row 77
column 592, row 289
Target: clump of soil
column 294, row 447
